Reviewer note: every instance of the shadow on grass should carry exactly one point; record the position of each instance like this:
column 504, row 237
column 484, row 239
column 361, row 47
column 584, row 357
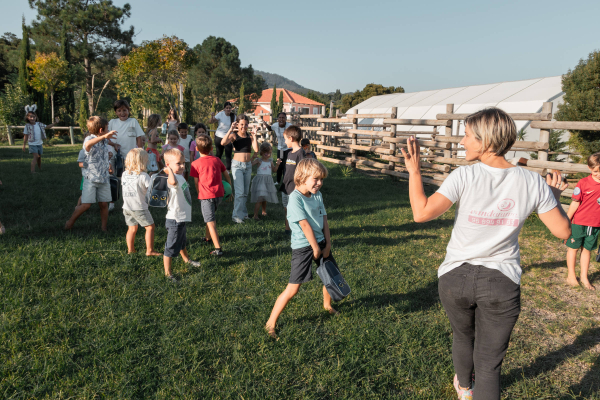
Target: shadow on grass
column 548, row 362
column 420, row 299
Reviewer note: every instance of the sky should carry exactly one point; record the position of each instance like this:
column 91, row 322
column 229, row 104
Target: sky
column 419, row 45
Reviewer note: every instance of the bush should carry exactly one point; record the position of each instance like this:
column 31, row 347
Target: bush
column 12, row 105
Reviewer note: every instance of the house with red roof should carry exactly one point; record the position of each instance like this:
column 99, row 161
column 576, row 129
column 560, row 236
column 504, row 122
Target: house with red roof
column 292, row 102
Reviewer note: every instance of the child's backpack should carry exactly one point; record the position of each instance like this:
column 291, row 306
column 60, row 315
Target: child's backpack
column 152, row 162
column 333, row 280
column 115, row 186
column 158, row 196
column 119, row 167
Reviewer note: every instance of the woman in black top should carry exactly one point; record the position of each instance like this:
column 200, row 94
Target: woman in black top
column 244, row 142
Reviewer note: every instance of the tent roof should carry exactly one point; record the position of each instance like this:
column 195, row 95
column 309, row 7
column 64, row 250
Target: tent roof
column 519, row 96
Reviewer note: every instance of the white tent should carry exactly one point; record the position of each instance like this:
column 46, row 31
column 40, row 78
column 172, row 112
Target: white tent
column 514, row 97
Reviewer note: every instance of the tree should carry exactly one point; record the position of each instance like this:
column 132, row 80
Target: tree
column 25, row 56
column 12, row 103
column 10, row 52
column 337, row 96
column 242, row 102
column 65, row 55
column 350, row 100
column 556, row 145
column 83, row 111
column 151, row 73
column 274, row 102
column 280, row 105
column 48, row 75
column 218, row 75
column 95, row 29
column 582, row 103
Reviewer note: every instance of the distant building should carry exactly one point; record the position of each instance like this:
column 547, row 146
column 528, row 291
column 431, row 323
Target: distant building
column 292, row 102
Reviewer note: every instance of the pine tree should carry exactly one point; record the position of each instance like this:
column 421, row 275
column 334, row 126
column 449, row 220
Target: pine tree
column 25, row 55
column 280, row 105
column 65, row 54
column 83, row 111
column 242, row 102
column 274, row 103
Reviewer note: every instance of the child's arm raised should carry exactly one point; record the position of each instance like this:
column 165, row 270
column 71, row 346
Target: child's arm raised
column 254, row 135
column 106, row 135
column 310, row 236
column 327, row 249
column 56, row 120
column 172, row 181
column 230, row 136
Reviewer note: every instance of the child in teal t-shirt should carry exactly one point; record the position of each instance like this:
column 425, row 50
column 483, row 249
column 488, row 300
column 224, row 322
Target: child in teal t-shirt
column 311, row 240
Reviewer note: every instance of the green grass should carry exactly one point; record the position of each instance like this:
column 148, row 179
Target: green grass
column 81, row 319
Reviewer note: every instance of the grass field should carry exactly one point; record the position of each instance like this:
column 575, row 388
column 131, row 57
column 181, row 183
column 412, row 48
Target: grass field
column 81, row 319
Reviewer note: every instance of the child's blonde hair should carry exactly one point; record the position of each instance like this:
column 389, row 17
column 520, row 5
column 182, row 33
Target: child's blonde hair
column 494, row 128
column 172, row 153
column 95, row 123
column 136, row 161
column 265, row 148
column 309, row 167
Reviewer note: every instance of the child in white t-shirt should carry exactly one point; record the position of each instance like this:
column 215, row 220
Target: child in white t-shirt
column 34, row 135
column 135, row 182
column 179, row 211
column 184, row 141
column 129, row 133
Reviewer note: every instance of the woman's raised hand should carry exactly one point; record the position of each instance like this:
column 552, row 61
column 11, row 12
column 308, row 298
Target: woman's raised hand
column 556, row 183
column 412, row 159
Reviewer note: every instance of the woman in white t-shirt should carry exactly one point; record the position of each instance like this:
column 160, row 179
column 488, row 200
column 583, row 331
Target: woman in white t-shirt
column 224, row 119
column 479, row 281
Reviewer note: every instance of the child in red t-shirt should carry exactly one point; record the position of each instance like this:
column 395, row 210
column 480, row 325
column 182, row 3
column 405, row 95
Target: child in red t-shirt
column 208, row 172
column 584, row 213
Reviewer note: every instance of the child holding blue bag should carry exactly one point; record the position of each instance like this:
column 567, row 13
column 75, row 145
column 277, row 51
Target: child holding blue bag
column 311, row 240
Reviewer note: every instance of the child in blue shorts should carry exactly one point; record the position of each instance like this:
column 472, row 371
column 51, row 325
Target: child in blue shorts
column 311, row 240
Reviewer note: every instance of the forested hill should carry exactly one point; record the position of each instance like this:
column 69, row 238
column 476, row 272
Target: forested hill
column 281, row 82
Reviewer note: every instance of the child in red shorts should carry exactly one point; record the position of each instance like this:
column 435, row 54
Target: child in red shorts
column 584, row 213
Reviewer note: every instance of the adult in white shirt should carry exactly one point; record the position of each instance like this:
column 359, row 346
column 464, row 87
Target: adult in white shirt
column 129, row 133
column 282, row 149
column 479, row 281
column 224, row 118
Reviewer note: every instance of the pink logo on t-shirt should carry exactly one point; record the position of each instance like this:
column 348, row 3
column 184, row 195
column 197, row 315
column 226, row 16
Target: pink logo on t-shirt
column 506, row 204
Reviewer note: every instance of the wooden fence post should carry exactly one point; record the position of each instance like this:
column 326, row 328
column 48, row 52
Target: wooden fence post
column 11, row 141
column 354, row 141
column 545, row 133
column 72, row 134
column 448, row 130
column 393, row 129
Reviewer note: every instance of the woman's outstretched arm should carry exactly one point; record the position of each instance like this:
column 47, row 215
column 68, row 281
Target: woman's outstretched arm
column 424, row 209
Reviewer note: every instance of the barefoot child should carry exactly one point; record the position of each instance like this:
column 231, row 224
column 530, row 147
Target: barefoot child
column 135, row 182
column 311, row 240
column 263, row 189
column 292, row 136
column 179, row 211
column 208, row 173
column 96, row 186
column 34, row 135
column 584, row 213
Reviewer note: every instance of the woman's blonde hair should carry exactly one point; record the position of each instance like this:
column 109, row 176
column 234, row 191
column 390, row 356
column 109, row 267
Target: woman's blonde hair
column 494, row 128
column 136, row 161
column 309, row 167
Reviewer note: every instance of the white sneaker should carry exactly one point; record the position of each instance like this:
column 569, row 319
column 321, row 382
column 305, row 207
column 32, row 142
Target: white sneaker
column 277, row 183
column 194, row 263
column 237, row 220
column 111, row 206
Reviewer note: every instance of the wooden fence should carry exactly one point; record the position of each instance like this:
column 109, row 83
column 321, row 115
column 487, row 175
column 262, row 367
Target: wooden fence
column 342, row 140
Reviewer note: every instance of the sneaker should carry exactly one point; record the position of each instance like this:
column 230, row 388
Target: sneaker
column 277, row 183
column 172, row 279
column 237, row 220
column 194, row 263
column 216, row 252
column 463, row 394
column 111, row 206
